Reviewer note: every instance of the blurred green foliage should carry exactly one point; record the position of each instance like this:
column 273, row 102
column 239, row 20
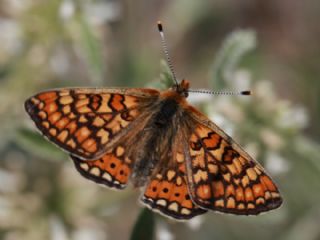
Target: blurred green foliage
column 144, row 227
column 57, row 43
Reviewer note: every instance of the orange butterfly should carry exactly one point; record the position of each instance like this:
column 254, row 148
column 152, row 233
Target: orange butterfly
column 186, row 163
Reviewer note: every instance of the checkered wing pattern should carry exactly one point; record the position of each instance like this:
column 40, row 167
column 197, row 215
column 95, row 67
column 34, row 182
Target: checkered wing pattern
column 167, row 191
column 222, row 176
column 113, row 169
column 86, row 122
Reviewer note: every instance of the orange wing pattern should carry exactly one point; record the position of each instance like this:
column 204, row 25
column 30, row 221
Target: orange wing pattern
column 113, row 169
column 222, row 177
column 194, row 167
column 167, row 191
column 85, row 121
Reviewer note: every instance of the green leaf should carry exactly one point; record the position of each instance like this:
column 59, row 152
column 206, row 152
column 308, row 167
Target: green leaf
column 236, row 45
column 166, row 78
column 35, row 143
column 144, row 226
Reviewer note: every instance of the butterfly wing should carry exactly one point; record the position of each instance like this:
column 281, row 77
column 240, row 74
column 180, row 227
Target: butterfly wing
column 86, row 122
column 112, row 169
column 167, row 191
column 116, row 166
column 222, row 176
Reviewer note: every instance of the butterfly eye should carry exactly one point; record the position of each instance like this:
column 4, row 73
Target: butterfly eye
column 185, row 94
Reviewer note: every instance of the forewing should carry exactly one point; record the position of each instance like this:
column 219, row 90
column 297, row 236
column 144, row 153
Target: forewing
column 167, row 191
column 85, row 122
column 222, row 176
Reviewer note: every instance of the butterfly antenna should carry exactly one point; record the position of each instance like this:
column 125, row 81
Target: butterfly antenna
column 166, row 52
column 245, row 93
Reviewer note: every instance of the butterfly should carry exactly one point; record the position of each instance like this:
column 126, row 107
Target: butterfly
column 185, row 164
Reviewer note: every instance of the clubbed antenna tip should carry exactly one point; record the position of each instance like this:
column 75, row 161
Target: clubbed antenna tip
column 166, row 52
column 160, row 26
column 246, row 93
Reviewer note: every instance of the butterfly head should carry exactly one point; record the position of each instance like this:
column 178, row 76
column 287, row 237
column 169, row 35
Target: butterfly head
column 182, row 88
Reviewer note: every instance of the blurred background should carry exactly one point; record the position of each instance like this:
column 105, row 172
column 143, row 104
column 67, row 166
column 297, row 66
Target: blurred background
column 271, row 47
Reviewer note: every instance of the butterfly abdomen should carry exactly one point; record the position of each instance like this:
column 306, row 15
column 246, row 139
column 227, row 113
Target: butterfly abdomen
column 157, row 139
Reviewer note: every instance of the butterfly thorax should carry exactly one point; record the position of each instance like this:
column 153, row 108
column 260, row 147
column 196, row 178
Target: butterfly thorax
column 157, row 140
